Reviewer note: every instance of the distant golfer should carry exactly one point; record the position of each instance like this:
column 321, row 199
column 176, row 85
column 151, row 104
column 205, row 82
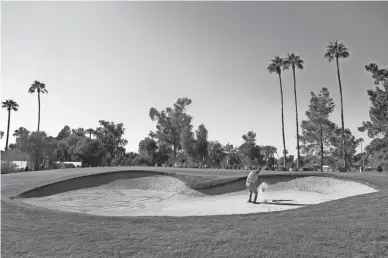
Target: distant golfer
column 252, row 183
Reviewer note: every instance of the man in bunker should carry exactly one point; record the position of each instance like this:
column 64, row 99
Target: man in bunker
column 252, row 183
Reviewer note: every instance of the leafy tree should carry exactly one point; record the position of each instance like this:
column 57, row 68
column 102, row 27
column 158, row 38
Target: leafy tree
column 71, row 143
column 377, row 153
column 216, row 154
column 35, row 147
column 317, row 130
column 188, row 145
column 360, row 159
column 120, row 157
column 268, row 154
column 21, row 135
column 111, row 135
column 64, row 133
column 20, row 131
column 276, row 67
column 90, row 151
column 337, row 145
column 295, row 62
column 336, row 50
column 235, row 158
column 148, row 149
column 201, row 143
column 79, row 131
column 130, row 156
column 290, row 161
column 251, row 152
column 50, row 148
column 63, row 150
column 40, row 88
column 228, row 147
column 89, row 131
column 170, row 123
column 311, row 160
column 377, row 127
column 142, row 161
column 378, row 112
column 164, row 153
column 10, row 105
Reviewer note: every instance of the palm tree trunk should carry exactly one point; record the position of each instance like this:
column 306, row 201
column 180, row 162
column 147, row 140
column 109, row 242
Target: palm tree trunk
column 321, row 132
column 38, row 110
column 342, row 116
column 284, row 138
column 297, row 123
column 9, row 121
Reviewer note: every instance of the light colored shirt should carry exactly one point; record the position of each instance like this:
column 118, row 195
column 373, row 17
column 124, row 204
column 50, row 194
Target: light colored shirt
column 252, row 177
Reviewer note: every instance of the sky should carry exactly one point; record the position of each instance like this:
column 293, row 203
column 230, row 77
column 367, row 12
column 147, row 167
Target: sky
column 115, row 60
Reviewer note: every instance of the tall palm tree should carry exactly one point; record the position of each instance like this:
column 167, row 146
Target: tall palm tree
column 40, row 88
column 336, row 50
column 296, row 63
column 90, row 131
column 276, row 67
column 9, row 104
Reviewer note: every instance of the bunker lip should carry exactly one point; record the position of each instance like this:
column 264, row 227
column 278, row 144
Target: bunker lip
column 180, row 199
column 87, row 180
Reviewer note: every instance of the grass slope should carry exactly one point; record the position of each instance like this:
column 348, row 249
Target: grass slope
column 351, row 227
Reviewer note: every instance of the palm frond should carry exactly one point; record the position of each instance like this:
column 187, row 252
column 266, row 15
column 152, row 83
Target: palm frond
column 286, row 64
column 299, row 64
column 329, row 56
column 10, row 104
column 271, row 68
column 32, row 89
column 292, row 60
column 38, row 86
column 276, row 65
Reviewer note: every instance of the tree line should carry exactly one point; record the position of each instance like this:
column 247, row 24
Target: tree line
column 174, row 142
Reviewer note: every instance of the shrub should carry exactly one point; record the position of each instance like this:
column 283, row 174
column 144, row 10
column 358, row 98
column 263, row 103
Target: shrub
column 141, row 161
column 8, row 167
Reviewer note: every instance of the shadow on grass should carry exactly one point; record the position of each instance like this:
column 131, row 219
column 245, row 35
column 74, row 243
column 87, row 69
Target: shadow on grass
column 281, row 202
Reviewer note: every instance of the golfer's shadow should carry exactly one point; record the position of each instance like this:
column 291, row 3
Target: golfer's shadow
column 282, row 202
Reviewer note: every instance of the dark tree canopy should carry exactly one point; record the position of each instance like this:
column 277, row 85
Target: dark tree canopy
column 378, row 112
column 170, row 123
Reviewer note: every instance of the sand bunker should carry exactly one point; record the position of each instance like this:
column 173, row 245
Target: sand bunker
column 168, row 196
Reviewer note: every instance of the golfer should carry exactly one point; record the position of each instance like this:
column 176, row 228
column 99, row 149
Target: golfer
column 252, row 183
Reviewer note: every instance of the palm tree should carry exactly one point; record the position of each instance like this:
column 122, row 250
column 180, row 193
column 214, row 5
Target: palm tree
column 39, row 87
column 276, row 67
column 90, row 131
column 9, row 104
column 295, row 62
column 336, row 50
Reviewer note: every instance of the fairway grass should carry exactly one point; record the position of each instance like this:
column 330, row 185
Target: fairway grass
column 350, row 227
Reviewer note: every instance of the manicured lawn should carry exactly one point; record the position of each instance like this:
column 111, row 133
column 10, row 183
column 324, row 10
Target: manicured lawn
column 351, row 227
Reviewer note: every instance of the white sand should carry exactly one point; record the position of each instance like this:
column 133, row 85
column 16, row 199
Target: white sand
column 167, row 196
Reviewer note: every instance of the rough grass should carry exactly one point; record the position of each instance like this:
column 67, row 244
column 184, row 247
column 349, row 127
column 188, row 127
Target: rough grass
column 351, row 227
